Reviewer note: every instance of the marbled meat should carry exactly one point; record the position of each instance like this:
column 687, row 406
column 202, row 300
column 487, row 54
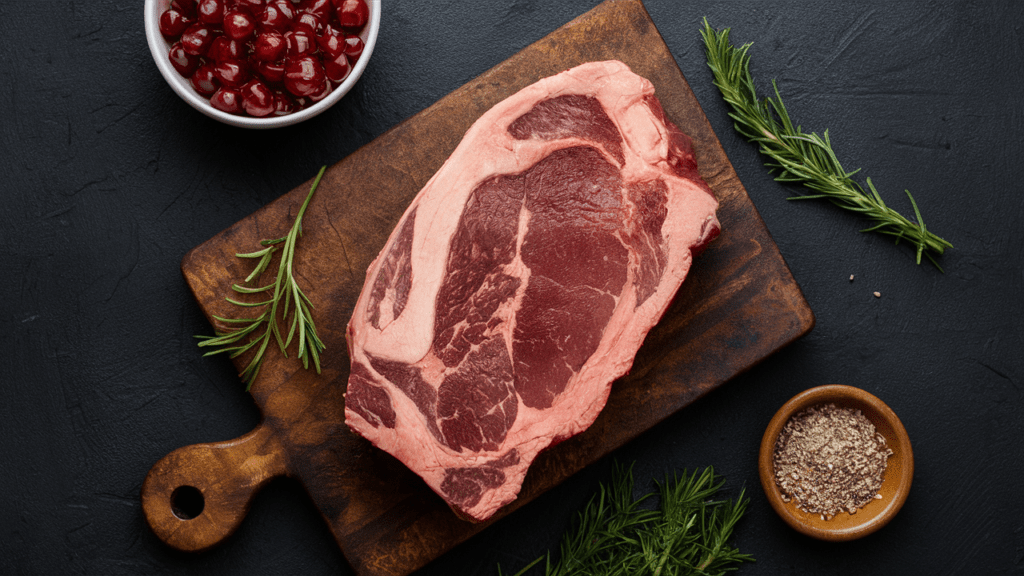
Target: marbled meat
column 521, row 281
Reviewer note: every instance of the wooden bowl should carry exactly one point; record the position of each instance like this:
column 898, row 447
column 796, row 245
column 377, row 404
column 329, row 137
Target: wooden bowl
column 895, row 484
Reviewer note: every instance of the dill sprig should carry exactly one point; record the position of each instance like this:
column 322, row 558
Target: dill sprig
column 803, row 158
column 286, row 297
column 687, row 534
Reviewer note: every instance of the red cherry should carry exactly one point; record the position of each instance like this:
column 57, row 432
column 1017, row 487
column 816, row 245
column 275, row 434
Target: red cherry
column 204, row 80
column 303, row 75
column 322, row 8
column 337, row 69
column 251, row 7
column 231, row 73
column 196, row 39
column 238, row 25
column 186, row 7
column 224, row 48
column 331, row 42
column 353, row 47
column 299, row 43
column 272, row 72
column 321, row 92
column 352, row 13
column 227, row 100
column 283, row 104
column 269, row 46
column 286, row 5
column 257, row 99
column 308, row 22
column 274, row 18
column 182, row 61
column 173, row 23
column 210, row 11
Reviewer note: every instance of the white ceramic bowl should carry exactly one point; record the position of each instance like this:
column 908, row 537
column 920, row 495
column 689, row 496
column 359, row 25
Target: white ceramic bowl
column 159, row 47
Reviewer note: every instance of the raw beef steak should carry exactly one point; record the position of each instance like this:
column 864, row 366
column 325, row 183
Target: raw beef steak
column 522, row 280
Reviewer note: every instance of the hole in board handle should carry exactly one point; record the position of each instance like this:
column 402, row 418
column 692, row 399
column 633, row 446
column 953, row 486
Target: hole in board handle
column 187, row 502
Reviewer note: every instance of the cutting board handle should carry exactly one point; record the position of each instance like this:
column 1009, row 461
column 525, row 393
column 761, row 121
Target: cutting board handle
column 197, row 495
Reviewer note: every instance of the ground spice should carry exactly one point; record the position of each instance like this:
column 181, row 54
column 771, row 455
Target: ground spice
column 830, row 460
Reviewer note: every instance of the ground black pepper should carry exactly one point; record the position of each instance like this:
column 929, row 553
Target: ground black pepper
column 829, row 460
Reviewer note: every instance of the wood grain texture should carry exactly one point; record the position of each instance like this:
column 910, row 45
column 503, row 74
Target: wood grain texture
column 739, row 305
column 227, row 474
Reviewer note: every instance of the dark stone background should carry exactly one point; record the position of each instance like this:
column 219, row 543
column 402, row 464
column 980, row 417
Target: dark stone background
column 107, row 179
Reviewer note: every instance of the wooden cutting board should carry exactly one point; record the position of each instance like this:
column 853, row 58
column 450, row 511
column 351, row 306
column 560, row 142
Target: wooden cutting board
column 739, row 305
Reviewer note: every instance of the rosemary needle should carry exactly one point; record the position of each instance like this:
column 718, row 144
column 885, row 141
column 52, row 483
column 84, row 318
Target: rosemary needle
column 285, row 297
column 688, row 533
column 802, row 158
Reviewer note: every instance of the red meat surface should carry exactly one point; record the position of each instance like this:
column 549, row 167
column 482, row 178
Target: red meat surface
column 521, row 281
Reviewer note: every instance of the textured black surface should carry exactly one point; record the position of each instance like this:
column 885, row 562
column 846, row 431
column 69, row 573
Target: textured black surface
column 108, row 178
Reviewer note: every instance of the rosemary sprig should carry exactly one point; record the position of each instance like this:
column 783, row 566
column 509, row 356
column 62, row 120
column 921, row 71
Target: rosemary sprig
column 688, row 534
column 803, row 158
column 286, row 297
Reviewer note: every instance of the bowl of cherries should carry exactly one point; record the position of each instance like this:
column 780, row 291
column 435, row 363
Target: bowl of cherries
column 261, row 63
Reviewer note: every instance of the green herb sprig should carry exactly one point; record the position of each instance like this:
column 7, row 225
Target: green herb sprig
column 802, row 158
column 688, row 533
column 286, row 297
